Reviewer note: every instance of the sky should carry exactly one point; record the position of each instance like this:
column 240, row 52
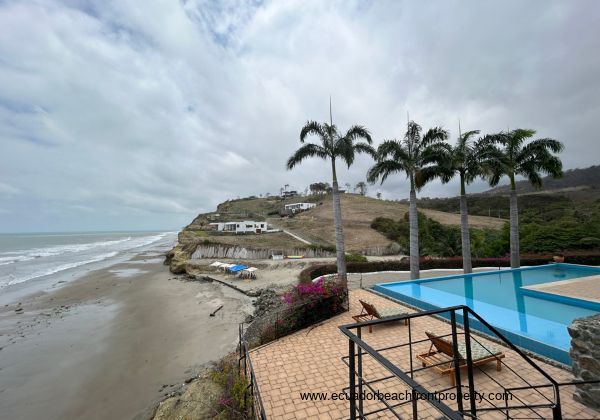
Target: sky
column 133, row 115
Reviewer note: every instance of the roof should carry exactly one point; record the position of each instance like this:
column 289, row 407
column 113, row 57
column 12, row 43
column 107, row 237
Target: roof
column 237, row 268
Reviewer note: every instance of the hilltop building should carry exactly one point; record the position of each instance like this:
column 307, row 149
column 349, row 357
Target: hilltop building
column 298, row 207
column 289, row 194
column 246, row 226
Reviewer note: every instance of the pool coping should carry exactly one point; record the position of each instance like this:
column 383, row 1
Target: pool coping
column 545, row 350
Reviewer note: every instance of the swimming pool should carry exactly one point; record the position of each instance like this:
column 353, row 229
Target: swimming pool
column 533, row 320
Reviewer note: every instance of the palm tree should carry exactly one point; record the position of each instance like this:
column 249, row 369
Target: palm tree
column 508, row 153
column 463, row 160
column 406, row 156
column 333, row 147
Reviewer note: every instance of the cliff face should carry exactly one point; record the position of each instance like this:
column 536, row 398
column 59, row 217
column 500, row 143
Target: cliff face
column 196, row 244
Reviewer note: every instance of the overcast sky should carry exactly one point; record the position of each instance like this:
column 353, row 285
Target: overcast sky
column 140, row 114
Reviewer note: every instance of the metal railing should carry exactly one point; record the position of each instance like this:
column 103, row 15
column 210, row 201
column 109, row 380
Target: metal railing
column 252, row 400
column 459, row 317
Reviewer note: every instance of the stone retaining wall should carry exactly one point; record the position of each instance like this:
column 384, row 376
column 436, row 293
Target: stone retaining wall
column 585, row 354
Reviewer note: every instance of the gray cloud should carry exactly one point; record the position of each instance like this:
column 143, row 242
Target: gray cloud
column 121, row 114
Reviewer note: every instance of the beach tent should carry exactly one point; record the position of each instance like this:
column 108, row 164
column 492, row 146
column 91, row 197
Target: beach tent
column 226, row 266
column 216, row 264
column 237, row 268
column 248, row 273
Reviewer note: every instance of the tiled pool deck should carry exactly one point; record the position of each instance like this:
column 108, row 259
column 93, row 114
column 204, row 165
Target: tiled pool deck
column 586, row 288
column 310, row 361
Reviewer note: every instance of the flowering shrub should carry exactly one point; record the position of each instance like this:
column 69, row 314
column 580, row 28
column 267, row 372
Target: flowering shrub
column 319, row 289
column 306, row 304
column 232, row 403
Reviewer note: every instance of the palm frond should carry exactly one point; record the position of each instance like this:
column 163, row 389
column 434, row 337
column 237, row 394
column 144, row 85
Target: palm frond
column 394, row 150
column 438, row 153
column 357, row 132
column 431, row 172
column 313, row 128
column 366, row 148
column 546, row 144
column 464, row 139
column 305, row 151
column 382, row 169
column 434, row 135
column 344, row 149
column 413, row 132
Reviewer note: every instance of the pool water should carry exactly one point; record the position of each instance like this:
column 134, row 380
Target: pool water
column 534, row 320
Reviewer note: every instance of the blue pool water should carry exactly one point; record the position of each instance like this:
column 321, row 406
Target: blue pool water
column 533, row 320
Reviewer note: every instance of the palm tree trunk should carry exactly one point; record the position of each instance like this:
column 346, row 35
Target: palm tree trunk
column 339, row 232
column 465, row 237
column 413, row 220
column 514, row 228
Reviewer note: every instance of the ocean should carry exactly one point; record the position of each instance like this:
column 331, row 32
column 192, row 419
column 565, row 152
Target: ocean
column 32, row 257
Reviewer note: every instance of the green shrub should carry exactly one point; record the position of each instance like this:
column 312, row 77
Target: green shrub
column 315, row 271
column 548, row 223
column 232, row 404
column 355, row 257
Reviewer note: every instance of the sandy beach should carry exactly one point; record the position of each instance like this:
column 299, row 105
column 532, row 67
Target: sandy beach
column 113, row 343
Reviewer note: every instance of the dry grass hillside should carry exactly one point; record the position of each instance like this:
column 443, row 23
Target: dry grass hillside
column 358, row 212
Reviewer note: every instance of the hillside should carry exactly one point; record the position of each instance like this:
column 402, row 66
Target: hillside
column 314, row 226
column 358, row 212
column 562, row 216
column 572, row 183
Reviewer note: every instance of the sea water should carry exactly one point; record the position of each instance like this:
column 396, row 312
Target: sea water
column 29, row 258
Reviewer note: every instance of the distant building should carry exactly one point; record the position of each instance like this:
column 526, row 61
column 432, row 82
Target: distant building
column 289, row 194
column 246, row 226
column 297, row 207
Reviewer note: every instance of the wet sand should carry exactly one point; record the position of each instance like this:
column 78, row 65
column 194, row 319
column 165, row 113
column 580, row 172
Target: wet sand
column 111, row 344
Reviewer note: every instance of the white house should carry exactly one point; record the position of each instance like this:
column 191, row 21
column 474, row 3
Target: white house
column 246, row 226
column 296, row 207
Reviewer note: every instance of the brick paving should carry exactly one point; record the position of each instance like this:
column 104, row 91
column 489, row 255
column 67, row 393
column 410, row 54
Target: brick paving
column 310, row 361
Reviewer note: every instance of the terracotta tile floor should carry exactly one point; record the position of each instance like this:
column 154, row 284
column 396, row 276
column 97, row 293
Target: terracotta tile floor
column 587, row 288
column 310, row 361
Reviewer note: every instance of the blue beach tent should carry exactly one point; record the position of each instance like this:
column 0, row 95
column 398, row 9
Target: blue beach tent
column 237, row 268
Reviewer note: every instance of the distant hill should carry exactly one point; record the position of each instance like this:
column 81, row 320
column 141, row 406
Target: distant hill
column 316, row 225
column 572, row 183
column 564, row 215
column 358, row 213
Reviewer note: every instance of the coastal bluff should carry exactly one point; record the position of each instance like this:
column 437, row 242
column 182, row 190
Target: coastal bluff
column 309, row 233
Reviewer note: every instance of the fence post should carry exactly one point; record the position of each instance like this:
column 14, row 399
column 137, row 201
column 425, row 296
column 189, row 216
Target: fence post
column 456, row 362
column 467, row 328
column 360, row 375
column 410, row 352
column 352, row 373
column 556, row 410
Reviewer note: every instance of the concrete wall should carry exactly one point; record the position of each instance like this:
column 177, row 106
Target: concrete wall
column 585, row 354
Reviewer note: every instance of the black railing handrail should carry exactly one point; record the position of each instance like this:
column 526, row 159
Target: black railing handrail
column 355, row 339
column 453, row 309
column 419, row 389
column 253, row 387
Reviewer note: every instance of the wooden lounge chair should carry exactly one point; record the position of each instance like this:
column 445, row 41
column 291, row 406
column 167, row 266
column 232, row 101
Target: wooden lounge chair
column 442, row 358
column 370, row 311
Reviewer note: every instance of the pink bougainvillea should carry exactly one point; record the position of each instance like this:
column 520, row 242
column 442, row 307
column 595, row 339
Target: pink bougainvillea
column 316, row 290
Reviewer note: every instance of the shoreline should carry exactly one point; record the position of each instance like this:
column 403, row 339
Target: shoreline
column 112, row 343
